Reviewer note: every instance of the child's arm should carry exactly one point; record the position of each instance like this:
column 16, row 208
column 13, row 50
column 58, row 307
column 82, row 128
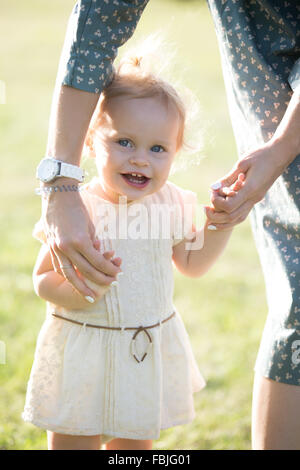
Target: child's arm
column 195, row 263
column 53, row 287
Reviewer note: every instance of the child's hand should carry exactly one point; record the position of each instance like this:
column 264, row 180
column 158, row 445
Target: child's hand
column 100, row 290
column 224, row 192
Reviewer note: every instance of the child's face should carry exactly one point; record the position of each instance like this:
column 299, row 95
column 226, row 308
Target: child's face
column 138, row 136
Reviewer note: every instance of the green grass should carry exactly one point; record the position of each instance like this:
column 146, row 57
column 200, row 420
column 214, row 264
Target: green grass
column 224, row 311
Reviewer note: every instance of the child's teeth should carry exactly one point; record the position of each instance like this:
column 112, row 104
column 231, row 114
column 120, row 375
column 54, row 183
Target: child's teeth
column 135, row 178
column 134, row 175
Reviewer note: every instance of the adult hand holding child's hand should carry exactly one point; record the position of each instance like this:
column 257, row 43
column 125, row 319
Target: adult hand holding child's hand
column 260, row 169
column 72, row 243
column 100, row 290
column 223, row 192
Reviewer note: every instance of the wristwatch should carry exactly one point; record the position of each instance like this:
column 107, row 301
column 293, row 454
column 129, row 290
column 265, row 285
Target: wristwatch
column 49, row 169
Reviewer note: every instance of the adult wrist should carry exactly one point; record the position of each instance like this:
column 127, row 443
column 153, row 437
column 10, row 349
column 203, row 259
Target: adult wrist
column 287, row 135
column 60, row 181
column 57, row 190
column 286, row 149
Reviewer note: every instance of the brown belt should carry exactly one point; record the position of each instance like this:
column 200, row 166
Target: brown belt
column 138, row 330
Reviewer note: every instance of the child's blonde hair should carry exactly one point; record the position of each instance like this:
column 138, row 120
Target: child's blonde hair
column 134, row 78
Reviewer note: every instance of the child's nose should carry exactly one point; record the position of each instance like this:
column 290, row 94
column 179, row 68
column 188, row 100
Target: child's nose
column 139, row 159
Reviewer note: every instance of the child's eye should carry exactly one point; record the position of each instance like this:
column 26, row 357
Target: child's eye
column 157, row 148
column 125, row 143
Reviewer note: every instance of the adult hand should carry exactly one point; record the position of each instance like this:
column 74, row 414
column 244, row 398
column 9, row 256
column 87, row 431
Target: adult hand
column 261, row 168
column 72, row 242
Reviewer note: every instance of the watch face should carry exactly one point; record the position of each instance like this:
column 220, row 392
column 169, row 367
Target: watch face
column 47, row 170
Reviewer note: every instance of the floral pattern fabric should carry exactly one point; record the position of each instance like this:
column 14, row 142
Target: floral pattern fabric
column 259, row 42
column 96, row 29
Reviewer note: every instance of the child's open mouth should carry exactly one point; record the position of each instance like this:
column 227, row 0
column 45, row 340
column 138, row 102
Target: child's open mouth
column 135, row 180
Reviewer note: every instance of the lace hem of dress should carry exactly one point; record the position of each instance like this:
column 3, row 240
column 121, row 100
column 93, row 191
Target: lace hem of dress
column 29, row 417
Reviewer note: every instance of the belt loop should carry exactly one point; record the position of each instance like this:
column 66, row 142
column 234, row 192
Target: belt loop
column 84, row 327
column 159, row 329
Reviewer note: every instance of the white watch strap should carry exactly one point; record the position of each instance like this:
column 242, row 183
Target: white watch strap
column 71, row 171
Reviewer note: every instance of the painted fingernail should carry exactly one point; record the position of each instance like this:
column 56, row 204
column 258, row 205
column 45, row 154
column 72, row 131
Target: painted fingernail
column 216, row 186
column 212, row 227
column 89, row 299
column 114, row 283
column 120, row 274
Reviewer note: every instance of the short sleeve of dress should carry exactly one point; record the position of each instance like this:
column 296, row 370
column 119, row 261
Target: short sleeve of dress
column 184, row 204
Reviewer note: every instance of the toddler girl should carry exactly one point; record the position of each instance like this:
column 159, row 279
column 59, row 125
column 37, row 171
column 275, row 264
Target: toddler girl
column 117, row 368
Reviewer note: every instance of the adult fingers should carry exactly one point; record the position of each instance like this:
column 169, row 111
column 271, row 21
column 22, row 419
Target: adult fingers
column 97, row 243
column 241, row 166
column 86, row 258
column 239, row 182
column 55, row 262
column 81, row 265
column 67, row 270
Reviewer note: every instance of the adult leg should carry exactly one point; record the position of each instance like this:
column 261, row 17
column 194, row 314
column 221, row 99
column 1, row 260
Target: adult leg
column 275, row 415
column 58, row 441
column 129, row 444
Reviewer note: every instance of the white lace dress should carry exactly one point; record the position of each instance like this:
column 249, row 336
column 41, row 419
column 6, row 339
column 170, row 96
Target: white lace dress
column 87, row 381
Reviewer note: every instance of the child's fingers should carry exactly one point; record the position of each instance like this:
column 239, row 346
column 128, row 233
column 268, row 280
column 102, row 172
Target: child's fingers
column 116, row 261
column 237, row 186
column 108, row 254
column 232, row 190
column 239, row 182
column 227, row 192
column 96, row 244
